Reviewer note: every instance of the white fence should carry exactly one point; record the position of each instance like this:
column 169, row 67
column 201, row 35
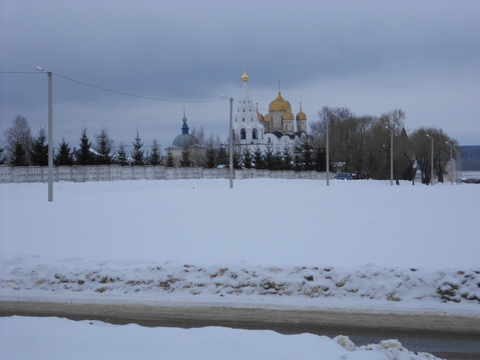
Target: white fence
column 20, row 174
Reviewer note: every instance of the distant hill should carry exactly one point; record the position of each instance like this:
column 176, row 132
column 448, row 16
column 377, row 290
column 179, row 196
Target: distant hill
column 470, row 157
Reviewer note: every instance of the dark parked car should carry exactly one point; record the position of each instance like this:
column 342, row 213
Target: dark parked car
column 344, row 176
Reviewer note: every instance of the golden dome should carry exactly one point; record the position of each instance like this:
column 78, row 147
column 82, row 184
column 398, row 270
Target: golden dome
column 279, row 104
column 260, row 116
column 267, row 118
column 288, row 115
column 244, row 76
column 301, row 115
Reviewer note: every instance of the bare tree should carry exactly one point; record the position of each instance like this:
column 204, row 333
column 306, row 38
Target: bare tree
column 210, row 145
column 394, row 119
column 421, row 148
column 423, row 152
column 200, row 135
column 19, row 133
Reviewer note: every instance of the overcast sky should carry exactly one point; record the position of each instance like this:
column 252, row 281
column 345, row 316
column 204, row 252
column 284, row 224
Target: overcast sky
column 371, row 56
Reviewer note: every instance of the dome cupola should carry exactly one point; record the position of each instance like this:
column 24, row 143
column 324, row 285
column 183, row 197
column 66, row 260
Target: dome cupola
column 301, row 115
column 279, row 104
column 288, row 115
column 244, row 76
column 185, row 139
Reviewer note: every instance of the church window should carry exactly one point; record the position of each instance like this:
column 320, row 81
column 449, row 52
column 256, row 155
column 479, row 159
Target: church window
column 243, row 134
column 233, row 134
column 243, row 119
column 243, row 110
column 254, row 134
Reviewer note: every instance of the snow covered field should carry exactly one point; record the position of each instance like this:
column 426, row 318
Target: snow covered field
column 279, row 243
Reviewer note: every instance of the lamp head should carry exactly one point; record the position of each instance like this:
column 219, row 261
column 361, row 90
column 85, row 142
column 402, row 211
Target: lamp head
column 39, row 68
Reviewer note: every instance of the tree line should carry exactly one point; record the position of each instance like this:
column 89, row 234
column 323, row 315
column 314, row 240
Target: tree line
column 357, row 144
column 22, row 149
column 361, row 145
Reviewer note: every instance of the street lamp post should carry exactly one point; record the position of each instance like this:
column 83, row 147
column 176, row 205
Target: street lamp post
column 391, row 154
column 50, row 135
column 451, row 161
column 327, row 145
column 431, row 162
column 230, row 141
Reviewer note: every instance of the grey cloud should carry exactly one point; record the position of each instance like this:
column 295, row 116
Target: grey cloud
column 348, row 52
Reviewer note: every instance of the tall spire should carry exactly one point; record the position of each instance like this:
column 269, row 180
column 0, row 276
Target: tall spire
column 184, row 126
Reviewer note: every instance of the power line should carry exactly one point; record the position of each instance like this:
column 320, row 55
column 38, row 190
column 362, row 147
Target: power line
column 113, row 91
column 19, row 72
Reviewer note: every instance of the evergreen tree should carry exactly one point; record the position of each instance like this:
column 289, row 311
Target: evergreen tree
column 3, row 159
column 84, row 155
column 185, row 161
column 320, row 158
column 122, row 155
column 237, row 160
column 277, row 160
column 307, row 155
column 222, row 156
column 155, row 157
column 18, row 156
column 247, row 158
column 170, row 162
column 104, row 147
column 287, row 159
column 269, row 163
column 210, row 158
column 39, row 149
column 137, row 152
column 297, row 160
column 258, row 160
column 64, row 155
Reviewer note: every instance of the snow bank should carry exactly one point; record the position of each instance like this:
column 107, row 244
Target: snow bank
column 97, row 340
column 74, row 278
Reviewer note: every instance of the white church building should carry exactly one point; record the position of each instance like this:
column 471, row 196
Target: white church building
column 277, row 129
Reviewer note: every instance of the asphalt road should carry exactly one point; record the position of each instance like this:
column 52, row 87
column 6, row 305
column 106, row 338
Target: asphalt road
column 449, row 337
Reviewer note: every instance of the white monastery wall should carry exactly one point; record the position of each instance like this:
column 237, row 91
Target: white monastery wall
column 29, row 174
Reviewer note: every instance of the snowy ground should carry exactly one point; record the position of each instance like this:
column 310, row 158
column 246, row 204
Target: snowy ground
column 95, row 340
column 284, row 243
